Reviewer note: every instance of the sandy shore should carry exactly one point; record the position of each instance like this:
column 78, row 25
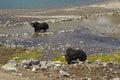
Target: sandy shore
column 108, row 6
column 59, row 15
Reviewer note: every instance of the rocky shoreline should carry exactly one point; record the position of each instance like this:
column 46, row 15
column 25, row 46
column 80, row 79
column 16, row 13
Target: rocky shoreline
column 26, row 19
column 38, row 69
column 52, row 70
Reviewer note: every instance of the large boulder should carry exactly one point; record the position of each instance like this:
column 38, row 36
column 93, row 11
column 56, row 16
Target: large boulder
column 10, row 66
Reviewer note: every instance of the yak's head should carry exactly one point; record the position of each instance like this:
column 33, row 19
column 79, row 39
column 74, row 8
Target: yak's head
column 70, row 52
column 34, row 24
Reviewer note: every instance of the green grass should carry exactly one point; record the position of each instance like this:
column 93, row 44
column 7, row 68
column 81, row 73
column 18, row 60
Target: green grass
column 59, row 58
column 115, row 56
column 29, row 54
column 35, row 53
column 55, row 53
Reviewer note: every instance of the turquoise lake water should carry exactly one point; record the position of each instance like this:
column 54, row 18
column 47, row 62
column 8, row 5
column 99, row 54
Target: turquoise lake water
column 7, row 4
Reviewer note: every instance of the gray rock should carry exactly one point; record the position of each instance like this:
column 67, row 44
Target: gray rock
column 50, row 75
column 24, row 34
column 17, row 74
column 89, row 78
column 43, row 64
column 98, row 61
column 35, row 68
column 104, row 64
column 35, row 62
column 26, row 62
column 12, row 61
column 64, row 73
column 9, row 67
column 81, row 42
column 50, row 64
column 116, row 78
column 62, row 31
column 57, row 65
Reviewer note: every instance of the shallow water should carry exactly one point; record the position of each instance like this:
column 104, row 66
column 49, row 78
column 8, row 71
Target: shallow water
column 13, row 4
column 91, row 35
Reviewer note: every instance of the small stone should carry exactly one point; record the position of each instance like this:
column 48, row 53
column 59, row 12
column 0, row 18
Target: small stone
column 35, row 62
column 35, row 68
column 50, row 75
column 64, row 73
column 57, row 65
column 89, row 78
column 26, row 62
column 50, row 64
column 116, row 78
column 20, row 74
column 104, row 64
column 43, row 64
column 17, row 35
column 17, row 74
column 111, row 69
column 52, row 20
column 81, row 42
column 25, row 34
column 98, row 61
column 62, row 31
column 58, row 62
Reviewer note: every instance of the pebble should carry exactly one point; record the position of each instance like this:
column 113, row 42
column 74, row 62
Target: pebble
column 17, row 74
column 62, row 31
column 81, row 42
column 89, row 78
column 2, row 35
column 35, row 68
column 98, row 61
column 64, row 73
column 104, row 64
column 26, row 63
column 25, row 34
column 50, row 75
column 17, row 35
column 116, row 78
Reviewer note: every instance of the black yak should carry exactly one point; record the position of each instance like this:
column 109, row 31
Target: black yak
column 72, row 55
column 40, row 26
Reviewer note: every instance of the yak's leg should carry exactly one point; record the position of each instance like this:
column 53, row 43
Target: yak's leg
column 36, row 30
column 45, row 30
column 69, row 62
